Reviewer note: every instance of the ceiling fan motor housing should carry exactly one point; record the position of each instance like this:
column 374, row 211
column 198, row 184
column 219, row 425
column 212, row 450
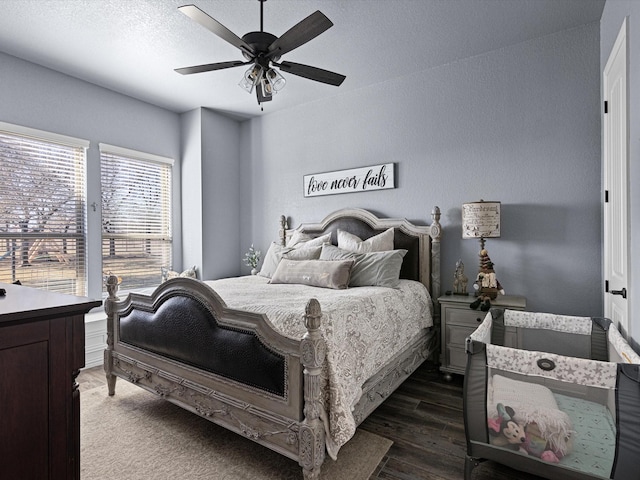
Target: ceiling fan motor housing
column 260, row 42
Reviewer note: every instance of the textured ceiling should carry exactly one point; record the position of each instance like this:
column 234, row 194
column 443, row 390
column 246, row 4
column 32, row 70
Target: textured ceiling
column 132, row 46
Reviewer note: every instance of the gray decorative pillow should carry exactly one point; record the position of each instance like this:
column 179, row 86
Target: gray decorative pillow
column 272, row 259
column 307, row 253
column 316, row 273
column 167, row 273
column 381, row 269
column 278, row 252
column 378, row 243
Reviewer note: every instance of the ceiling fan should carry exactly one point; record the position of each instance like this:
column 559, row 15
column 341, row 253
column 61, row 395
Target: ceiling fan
column 263, row 51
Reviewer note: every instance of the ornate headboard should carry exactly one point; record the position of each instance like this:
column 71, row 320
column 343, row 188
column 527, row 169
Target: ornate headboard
column 422, row 242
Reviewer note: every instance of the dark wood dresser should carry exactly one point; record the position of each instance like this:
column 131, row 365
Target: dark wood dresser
column 41, row 353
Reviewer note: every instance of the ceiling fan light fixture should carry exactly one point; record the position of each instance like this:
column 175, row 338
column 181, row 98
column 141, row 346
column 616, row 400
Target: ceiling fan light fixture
column 251, row 78
column 267, row 87
column 276, row 80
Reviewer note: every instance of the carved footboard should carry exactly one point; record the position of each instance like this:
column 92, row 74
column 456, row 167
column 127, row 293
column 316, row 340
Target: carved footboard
column 226, row 365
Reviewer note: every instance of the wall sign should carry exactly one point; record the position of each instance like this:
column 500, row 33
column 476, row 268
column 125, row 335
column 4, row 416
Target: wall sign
column 365, row 179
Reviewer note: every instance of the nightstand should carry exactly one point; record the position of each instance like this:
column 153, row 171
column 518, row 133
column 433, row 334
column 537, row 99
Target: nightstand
column 458, row 321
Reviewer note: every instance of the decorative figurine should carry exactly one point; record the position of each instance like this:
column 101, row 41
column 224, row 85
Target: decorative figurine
column 460, row 280
column 486, row 285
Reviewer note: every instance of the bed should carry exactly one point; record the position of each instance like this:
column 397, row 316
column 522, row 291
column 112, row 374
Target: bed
column 569, row 387
column 278, row 357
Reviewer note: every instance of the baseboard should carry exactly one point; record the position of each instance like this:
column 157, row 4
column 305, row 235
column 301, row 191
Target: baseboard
column 95, row 329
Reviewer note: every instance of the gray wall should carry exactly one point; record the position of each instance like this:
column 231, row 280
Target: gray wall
column 614, row 13
column 37, row 97
column 192, row 205
column 221, row 196
column 210, row 193
column 520, row 125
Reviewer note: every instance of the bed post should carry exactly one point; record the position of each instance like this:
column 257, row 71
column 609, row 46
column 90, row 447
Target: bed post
column 112, row 283
column 282, row 231
column 435, row 234
column 312, row 352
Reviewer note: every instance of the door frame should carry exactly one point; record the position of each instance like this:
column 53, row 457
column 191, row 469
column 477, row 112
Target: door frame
column 616, row 242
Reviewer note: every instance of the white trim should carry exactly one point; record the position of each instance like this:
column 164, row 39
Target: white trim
column 127, row 152
column 43, row 135
column 95, row 337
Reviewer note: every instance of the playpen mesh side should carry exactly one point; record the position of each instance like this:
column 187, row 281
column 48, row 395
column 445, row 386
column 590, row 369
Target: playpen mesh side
column 570, row 336
column 583, row 381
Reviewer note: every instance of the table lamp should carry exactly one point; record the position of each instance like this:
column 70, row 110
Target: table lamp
column 482, row 220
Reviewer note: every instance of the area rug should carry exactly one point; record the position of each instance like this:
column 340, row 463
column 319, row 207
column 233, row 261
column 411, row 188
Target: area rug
column 137, row 435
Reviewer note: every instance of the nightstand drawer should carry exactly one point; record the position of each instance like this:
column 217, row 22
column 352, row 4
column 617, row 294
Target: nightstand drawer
column 457, row 335
column 469, row 317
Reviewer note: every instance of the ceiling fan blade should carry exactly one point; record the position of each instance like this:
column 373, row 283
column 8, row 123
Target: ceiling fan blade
column 216, row 27
column 210, row 67
column 312, row 73
column 299, row 34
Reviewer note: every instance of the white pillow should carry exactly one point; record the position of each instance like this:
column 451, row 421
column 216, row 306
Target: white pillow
column 297, row 237
column 378, row 243
column 167, row 273
column 304, row 240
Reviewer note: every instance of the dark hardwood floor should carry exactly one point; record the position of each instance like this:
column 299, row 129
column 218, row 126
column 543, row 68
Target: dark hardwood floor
column 424, row 420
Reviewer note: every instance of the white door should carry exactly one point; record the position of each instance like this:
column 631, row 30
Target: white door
column 616, row 166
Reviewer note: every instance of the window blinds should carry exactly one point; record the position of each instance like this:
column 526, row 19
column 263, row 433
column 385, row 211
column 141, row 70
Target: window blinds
column 42, row 209
column 136, row 216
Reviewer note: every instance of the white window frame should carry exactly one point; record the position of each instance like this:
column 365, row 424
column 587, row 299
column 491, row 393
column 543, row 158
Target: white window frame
column 160, row 237
column 77, row 283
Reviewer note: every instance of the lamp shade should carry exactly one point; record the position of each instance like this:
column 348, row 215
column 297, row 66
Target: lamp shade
column 481, row 219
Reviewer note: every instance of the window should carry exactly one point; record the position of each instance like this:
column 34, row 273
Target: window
column 42, row 209
column 136, row 215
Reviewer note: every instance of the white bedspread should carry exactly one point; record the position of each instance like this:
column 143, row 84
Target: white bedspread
column 364, row 327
